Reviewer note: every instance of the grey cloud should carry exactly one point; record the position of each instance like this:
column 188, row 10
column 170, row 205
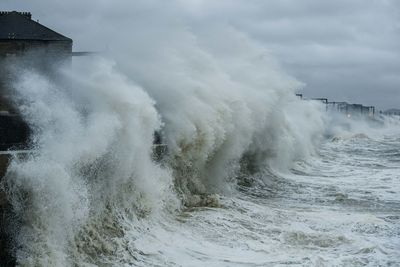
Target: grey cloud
column 344, row 49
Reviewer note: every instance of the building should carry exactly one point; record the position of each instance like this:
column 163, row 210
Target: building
column 24, row 43
column 357, row 110
column 392, row 112
column 20, row 35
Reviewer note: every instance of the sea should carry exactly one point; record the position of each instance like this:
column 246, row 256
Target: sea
column 251, row 175
column 340, row 208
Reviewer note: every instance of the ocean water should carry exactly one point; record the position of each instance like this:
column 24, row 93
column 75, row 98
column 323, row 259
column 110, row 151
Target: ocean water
column 341, row 208
column 91, row 194
column 253, row 176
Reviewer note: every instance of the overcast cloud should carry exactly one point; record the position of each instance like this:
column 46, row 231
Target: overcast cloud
column 346, row 50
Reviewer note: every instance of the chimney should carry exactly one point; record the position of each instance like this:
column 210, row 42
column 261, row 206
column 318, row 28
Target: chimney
column 25, row 14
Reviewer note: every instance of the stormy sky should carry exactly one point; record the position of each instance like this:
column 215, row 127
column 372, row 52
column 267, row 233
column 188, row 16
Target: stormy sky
column 345, row 50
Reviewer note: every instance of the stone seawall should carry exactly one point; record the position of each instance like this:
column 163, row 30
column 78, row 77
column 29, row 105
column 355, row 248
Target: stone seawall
column 6, row 255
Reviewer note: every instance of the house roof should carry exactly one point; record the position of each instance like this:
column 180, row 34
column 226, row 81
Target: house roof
column 19, row 26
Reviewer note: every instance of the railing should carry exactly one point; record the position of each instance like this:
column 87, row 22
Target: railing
column 344, row 107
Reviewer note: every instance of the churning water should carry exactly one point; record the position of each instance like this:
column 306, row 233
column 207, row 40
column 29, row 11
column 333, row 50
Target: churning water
column 246, row 182
column 253, row 176
column 341, row 208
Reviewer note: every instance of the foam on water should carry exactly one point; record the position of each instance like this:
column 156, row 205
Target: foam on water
column 338, row 210
column 91, row 187
column 249, row 179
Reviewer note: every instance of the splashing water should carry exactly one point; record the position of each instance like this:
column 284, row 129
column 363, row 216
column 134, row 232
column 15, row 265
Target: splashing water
column 249, row 179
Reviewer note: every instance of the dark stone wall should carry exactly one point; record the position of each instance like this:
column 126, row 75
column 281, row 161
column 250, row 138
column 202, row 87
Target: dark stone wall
column 14, row 133
column 42, row 56
column 7, row 257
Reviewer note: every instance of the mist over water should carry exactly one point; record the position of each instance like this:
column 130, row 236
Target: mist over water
column 254, row 176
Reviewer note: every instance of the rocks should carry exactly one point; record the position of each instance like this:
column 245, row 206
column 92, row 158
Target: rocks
column 211, row 200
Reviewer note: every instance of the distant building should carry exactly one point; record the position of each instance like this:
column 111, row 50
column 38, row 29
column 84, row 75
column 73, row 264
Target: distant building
column 392, row 111
column 24, row 42
column 350, row 110
column 20, row 35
